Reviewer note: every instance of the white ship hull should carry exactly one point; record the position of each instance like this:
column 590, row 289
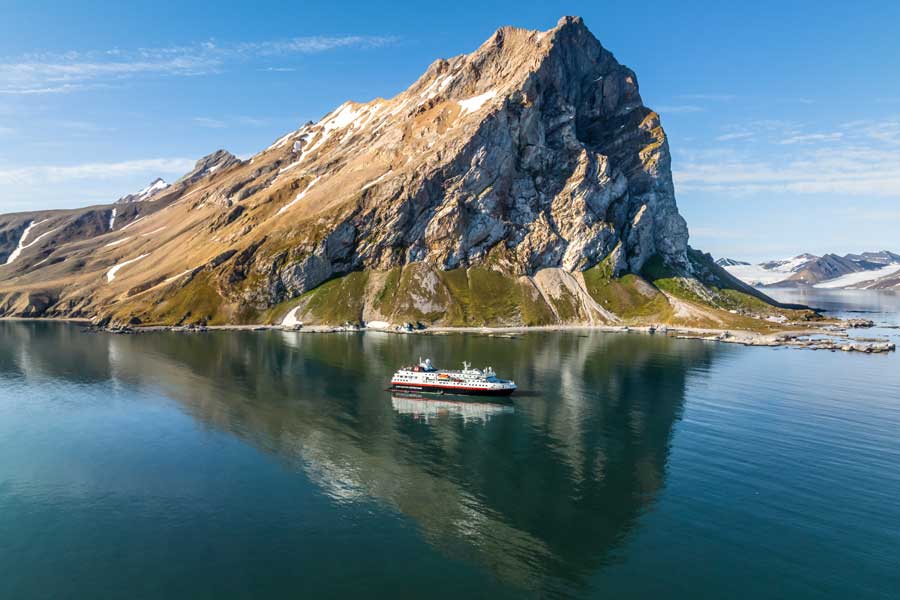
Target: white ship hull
column 472, row 382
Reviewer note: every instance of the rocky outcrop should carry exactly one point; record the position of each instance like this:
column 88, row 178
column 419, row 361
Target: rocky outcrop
column 219, row 160
column 148, row 193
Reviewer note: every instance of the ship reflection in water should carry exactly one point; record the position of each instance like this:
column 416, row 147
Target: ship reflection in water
column 426, row 408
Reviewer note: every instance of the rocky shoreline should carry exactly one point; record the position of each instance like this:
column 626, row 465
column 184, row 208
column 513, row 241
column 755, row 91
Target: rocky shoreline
column 833, row 337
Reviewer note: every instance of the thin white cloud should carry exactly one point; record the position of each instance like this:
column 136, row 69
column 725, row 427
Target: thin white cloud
column 63, row 186
column 678, row 109
column 812, row 137
column 40, row 174
column 740, row 135
column 852, row 170
column 885, row 131
column 209, row 123
column 709, row 97
column 213, row 123
column 313, row 44
column 75, row 71
column 14, row 88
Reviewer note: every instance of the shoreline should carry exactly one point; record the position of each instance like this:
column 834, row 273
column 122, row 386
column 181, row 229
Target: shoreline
column 833, row 337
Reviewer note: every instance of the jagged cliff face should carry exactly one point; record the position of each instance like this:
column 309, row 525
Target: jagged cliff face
column 537, row 144
column 533, row 158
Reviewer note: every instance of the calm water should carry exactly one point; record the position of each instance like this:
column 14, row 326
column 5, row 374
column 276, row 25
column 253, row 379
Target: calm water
column 262, row 464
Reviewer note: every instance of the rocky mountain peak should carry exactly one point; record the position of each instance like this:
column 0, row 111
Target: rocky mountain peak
column 537, row 142
column 156, row 186
column 220, row 159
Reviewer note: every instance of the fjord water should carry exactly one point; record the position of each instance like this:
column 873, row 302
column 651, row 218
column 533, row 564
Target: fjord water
column 249, row 464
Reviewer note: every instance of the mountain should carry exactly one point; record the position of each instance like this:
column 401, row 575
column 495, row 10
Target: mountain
column 36, row 235
column 884, row 257
column 730, row 262
column 525, row 183
column 857, row 271
column 156, row 186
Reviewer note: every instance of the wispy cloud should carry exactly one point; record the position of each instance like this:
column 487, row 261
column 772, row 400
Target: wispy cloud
column 740, row 135
column 885, row 131
column 773, row 130
column 39, row 174
column 707, row 97
column 678, row 109
column 852, row 170
column 213, row 123
column 82, row 184
column 209, row 123
column 75, row 71
column 313, row 44
column 812, row 137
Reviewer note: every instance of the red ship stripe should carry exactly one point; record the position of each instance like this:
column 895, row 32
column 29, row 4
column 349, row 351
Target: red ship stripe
column 444, row 387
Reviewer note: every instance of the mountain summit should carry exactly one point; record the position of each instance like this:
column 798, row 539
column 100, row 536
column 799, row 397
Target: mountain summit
column 537, row 145
column 525, row 182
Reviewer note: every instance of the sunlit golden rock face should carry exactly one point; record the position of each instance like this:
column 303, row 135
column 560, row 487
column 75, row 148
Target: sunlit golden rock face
column 534, row 152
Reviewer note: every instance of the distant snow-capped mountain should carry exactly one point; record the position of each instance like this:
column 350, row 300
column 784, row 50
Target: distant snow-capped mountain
column 868, row 270
column 730, row 262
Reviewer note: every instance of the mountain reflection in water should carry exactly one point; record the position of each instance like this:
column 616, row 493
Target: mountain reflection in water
column 540, row 492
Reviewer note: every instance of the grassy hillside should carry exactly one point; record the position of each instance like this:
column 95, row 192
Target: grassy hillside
column 484, row 297
column 477, row 296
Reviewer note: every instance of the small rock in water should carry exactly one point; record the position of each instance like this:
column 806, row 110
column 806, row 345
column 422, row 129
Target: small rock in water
column 860, row 323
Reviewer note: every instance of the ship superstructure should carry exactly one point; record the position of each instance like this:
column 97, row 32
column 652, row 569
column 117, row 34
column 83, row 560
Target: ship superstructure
column 424, row 377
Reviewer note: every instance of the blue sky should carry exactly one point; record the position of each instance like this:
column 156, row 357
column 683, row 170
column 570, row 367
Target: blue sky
column 783, row 117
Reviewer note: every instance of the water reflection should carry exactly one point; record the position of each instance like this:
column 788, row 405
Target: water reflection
column 540, row 493
column 427, row 408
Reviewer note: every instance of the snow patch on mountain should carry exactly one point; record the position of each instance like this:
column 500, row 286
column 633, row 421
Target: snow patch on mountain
column 757, row 275
column 854, row 280
column 22, row 245
column 476, row 102
column 136, row 221
column 111, row 274
column 117, row 242
column 156, row 186
column 299, row 197
column 290, row 319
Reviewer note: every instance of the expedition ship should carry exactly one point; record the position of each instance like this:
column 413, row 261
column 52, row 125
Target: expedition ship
column 424, row 377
